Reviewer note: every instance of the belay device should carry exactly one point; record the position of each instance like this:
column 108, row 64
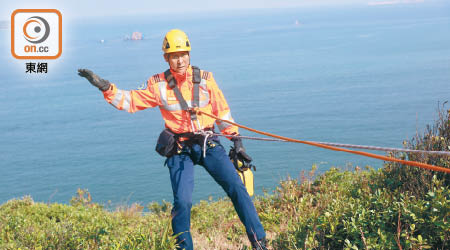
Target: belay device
column 244, row 169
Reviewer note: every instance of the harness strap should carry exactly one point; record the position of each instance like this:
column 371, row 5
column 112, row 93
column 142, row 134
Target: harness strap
column 196, row 91
column 173, row 85
column 196, row 79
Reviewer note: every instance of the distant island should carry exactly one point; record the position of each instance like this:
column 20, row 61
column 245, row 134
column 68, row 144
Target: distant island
column 135, row 36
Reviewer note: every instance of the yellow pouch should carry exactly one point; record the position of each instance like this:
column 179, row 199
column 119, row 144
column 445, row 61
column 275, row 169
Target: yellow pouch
column 244, row 171
column 247, row 179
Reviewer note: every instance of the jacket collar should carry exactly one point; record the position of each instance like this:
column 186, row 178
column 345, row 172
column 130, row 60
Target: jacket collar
column 184, row 77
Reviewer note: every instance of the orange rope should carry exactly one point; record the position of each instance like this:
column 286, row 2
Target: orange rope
column 380, row 157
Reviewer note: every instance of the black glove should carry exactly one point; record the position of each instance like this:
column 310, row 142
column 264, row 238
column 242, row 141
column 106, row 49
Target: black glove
column 94, row 79
column 240, row 150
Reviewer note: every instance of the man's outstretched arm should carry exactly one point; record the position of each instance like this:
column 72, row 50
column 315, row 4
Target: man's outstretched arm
column 128, row 100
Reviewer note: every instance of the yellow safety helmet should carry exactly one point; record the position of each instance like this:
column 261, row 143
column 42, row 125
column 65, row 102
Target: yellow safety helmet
column 176, row 40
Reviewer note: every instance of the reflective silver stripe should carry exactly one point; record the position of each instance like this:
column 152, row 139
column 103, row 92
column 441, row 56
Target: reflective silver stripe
column 163, row 93
column 202, row 84
column 224, row 125
column 203, row 89
column 117, row 98
column 127, row 100
column 177, row 106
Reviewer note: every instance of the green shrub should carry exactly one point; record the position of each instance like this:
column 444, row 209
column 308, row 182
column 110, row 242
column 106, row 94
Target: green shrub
column 25, row 224
column 336, row 210
column 350, row 210
column 418, row 181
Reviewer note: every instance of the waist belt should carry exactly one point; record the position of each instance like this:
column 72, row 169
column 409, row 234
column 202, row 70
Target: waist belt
column 201, row 138
column 192, row 137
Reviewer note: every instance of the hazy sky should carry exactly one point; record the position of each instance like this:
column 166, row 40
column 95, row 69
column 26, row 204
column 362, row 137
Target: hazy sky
column 83, row 8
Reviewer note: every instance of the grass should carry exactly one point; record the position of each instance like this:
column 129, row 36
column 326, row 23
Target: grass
column 337, row 210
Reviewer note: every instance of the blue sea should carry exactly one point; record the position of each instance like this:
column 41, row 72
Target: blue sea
column 371, row 75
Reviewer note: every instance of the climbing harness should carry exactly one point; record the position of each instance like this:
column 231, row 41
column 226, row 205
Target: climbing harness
column 335, row 148
column 167, row 141
column 196, row 79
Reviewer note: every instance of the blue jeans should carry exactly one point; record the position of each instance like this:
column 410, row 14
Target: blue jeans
column 219, row 166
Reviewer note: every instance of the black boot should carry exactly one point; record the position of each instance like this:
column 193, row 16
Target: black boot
column 259, row 245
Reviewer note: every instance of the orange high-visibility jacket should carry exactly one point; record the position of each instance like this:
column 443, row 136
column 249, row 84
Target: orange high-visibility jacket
column 158, row 93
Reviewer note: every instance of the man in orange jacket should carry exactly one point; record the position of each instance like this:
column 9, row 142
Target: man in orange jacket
column 185, row 141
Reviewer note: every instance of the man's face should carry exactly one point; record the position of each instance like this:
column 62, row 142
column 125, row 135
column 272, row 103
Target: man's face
column 178, row 61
